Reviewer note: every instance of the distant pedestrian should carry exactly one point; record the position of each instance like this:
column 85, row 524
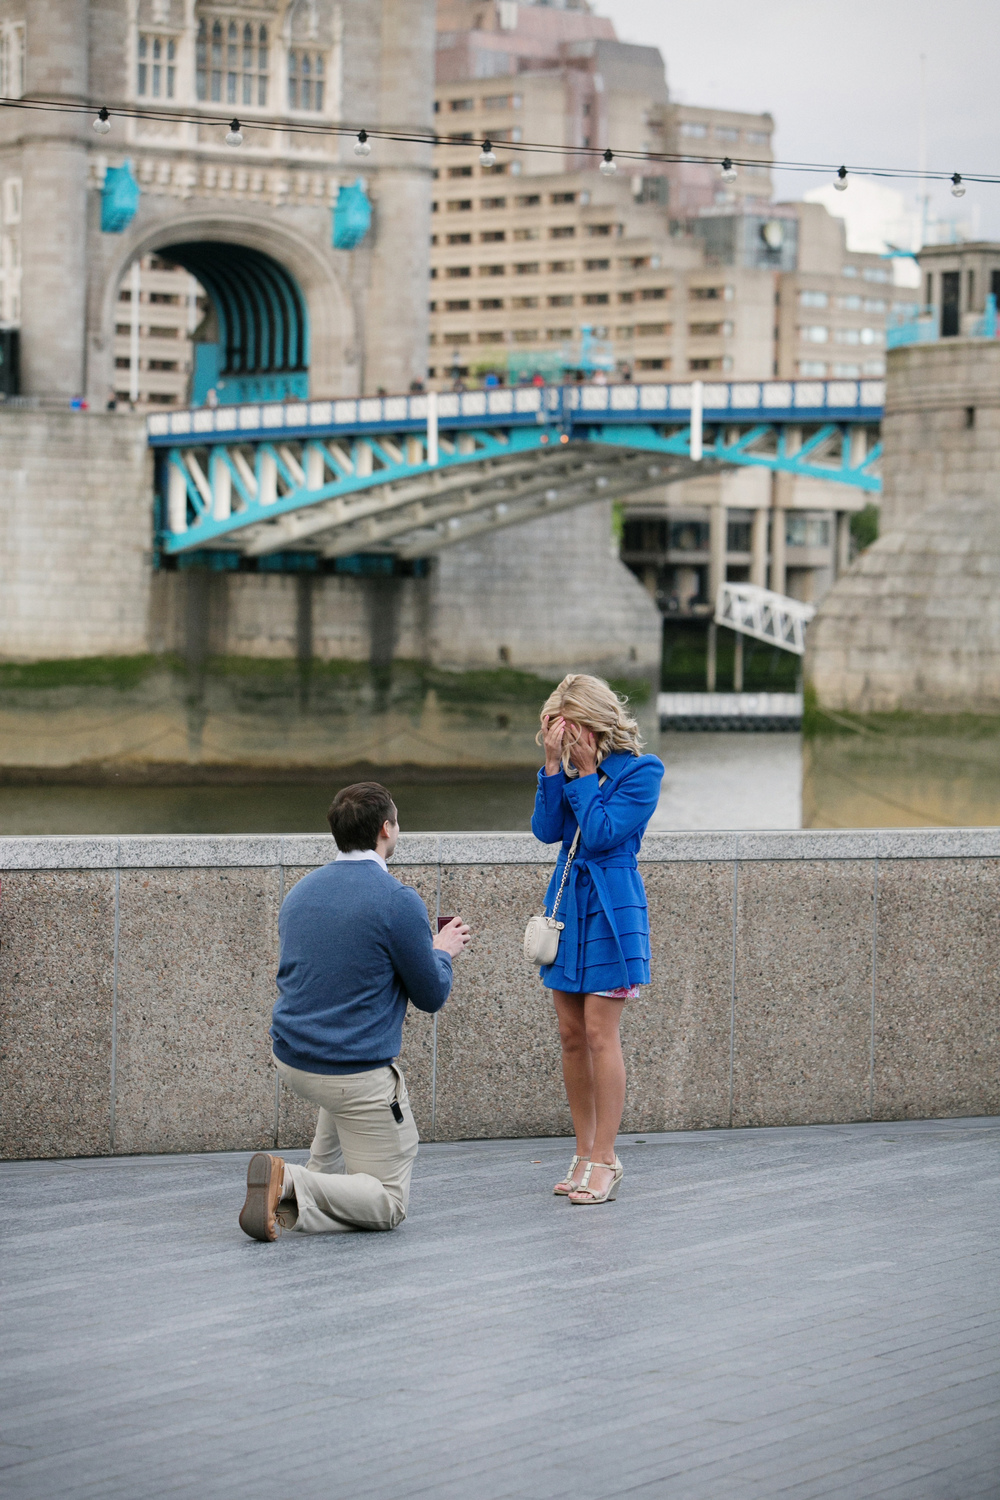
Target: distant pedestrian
column 355, row 943
column 596, row 793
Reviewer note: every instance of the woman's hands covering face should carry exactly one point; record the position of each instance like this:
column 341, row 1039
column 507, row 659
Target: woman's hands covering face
column 553, row 730
column 583, row 748
column 559, row 734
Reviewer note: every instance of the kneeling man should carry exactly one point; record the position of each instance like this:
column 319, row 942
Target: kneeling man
column 355, row 943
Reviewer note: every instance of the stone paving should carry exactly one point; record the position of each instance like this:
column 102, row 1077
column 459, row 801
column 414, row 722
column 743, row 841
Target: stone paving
column 802, row 1313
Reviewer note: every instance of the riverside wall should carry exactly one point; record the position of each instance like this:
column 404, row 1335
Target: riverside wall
column 798, row 978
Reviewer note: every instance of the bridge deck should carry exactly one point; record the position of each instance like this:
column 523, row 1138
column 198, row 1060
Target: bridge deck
column 738, row 402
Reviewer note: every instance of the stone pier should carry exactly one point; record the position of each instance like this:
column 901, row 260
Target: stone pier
column 915, row 622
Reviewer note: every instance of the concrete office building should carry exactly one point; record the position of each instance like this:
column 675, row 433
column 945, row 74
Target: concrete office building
column 676, row 272
column 159, row 308
column 834, row 305
column 523, row 267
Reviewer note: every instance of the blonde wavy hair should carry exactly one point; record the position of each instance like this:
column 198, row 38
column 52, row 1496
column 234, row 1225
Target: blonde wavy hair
column 591, row 704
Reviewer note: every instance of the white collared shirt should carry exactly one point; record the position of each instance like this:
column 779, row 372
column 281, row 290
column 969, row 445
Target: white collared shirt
column 362, row 854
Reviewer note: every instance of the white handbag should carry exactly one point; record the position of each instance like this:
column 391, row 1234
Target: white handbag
column 541, row 936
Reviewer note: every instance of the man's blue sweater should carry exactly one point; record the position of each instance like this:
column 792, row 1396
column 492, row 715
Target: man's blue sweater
column 354, row 944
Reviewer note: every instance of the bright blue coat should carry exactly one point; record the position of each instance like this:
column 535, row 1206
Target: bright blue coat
column 605, row 942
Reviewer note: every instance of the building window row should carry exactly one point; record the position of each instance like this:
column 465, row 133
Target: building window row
column 489, row 101
column 868, row 273
column 698, row 130
column 555, row 299
column 527, row 268
column 545, row 335
column 522, row 200
column 819, row 334
column 818, row 369
column 854, row 303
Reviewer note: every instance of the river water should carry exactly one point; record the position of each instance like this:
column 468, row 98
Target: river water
column 860, row 779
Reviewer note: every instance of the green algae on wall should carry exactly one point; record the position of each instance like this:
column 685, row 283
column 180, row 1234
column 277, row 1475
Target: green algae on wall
column 158, row 711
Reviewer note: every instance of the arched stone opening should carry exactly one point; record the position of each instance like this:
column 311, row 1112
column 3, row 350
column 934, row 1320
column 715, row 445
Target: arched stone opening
column 253, row 344
column 287, row 315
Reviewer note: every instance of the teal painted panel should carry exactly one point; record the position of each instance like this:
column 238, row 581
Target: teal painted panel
column 119, row 199
column 352, row 217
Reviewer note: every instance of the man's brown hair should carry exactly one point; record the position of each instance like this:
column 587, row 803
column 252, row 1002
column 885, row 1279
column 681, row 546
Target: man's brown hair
column 357, row 813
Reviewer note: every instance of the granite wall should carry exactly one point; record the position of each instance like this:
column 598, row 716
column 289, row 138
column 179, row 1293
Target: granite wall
column 798, row 978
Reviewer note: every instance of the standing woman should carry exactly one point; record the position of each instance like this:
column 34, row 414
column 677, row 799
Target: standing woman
column 597, row 780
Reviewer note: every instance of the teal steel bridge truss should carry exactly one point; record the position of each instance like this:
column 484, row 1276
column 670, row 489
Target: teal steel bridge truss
column 406, row 476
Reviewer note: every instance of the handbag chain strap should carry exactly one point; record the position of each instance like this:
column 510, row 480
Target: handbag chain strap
column 565, row 873
column 602, row 777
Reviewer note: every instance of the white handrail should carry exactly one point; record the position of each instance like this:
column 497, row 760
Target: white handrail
column 764, row 615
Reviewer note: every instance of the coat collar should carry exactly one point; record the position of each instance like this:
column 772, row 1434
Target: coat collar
column 612, row 765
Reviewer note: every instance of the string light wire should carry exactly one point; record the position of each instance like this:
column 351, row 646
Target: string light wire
column 523, row 148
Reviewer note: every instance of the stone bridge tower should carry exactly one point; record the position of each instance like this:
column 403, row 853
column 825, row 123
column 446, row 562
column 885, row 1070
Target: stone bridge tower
column 253, row 222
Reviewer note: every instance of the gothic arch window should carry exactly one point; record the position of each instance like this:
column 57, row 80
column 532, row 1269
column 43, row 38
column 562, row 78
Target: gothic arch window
column 306, row 80
column 156, row 69
column 232, row 62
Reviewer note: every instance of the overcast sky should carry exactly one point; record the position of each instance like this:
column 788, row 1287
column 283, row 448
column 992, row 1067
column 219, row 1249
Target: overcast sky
column 842, row 80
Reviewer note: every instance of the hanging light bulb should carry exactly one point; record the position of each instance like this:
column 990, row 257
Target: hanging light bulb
column 727, row 171
column 361, row 145
column 102, row 124
column 235, row 135
column 957, row 185
column 608, row 165
column 487, row 157
column 840, row 181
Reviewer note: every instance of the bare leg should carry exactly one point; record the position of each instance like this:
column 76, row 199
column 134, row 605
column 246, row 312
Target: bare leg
column 602, row 1018
column 577, row 1074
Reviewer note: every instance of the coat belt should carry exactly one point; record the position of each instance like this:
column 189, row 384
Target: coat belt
column 574, row 931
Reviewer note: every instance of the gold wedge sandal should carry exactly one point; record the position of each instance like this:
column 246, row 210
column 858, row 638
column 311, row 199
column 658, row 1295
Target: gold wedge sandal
column 567, row 1186
column 584, row 1195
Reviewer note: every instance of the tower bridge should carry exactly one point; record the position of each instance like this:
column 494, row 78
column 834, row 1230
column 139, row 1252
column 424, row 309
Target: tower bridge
column 303, row 320
column 412, row 475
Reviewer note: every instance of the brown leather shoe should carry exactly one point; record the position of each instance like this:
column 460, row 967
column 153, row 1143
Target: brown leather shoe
column 264, row 1178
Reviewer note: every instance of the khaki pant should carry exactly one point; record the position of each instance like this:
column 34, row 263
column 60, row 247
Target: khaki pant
column 358, row 1172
